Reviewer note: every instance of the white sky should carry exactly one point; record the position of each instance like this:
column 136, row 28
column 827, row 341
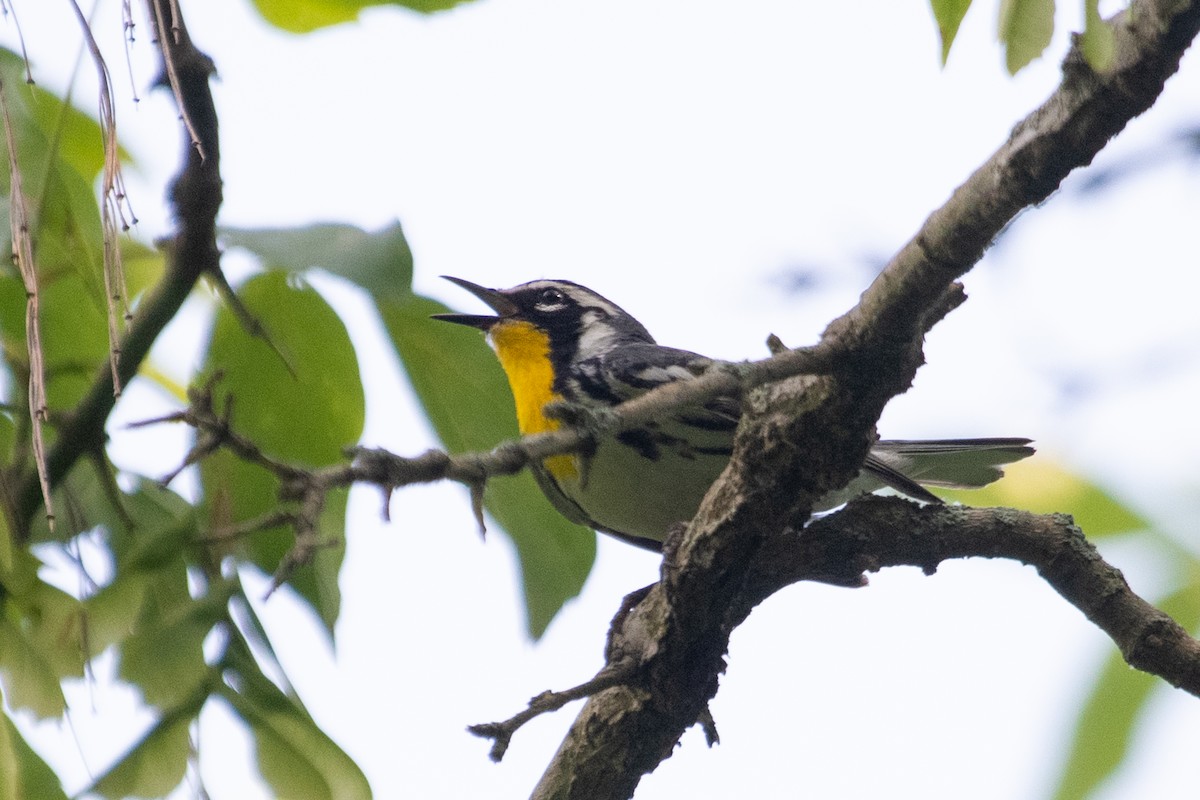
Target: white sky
column 679, row 157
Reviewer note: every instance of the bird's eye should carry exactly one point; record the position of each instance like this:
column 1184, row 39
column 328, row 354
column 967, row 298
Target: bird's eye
column 550, row 298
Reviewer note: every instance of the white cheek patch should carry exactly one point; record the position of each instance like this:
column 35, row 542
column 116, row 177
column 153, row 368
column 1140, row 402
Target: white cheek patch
column 596, row 335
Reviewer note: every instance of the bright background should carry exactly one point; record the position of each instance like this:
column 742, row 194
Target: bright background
column 689, row 160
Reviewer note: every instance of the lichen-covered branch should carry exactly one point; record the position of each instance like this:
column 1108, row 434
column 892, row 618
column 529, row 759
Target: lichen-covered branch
column 877, row 532
column 824, row 424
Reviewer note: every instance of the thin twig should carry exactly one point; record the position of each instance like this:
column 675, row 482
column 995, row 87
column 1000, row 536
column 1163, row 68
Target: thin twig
column 22, row 243
column 8, row 10
column 251, row 324
column 195, row 197
column 240, row 530
column 169, row 37
column 501, row 733
column 113, row 205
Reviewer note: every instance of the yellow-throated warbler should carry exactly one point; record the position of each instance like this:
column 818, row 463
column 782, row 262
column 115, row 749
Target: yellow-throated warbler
column 561, row 342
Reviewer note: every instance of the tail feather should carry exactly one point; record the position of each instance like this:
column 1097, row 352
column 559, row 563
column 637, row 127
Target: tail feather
column 949, row 463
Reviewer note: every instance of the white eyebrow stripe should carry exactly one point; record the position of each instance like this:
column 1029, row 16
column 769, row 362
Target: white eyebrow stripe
column 589, row 299
column 594, row 301
column 583, row 297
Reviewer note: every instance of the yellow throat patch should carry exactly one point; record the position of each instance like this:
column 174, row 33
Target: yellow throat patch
column 524, row 353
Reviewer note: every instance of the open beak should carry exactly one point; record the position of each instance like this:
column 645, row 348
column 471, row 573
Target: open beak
column 498, row 302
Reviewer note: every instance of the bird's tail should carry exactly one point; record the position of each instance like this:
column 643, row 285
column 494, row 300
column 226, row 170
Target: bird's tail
column 908, row 465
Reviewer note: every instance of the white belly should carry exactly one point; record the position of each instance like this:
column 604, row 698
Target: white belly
column 623, row 490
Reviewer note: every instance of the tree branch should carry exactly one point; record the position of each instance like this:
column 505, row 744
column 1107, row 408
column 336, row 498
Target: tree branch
column 307, row 487
column 877, row 532
column 810, row 434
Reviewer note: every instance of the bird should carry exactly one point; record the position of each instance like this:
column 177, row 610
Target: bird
column 566, row 350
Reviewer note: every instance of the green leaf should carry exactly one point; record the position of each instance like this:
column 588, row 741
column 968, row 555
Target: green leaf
column 148, row 537
column 112, row 612
column 1105, row 726
column 76, row 136
column 59, row 153
column 157, row 763
column 89, row 504
column 65, row 223
column 1040, row 485
column 74, row 339
column 73, row 312
column 165, row 656
column 1025, row 30
column 308, row 418
column 154, row 530
column 295, row 756
column 379, row 262
column 251, row 628
column 23, row 773
column 53, row 625
column 1099, row 41
column 7, row 550
column 304, row 16
column 466, row 397
column 29, row 679
column 8, row 438
column 949, row 15
column 143, row 266
column 41, row 639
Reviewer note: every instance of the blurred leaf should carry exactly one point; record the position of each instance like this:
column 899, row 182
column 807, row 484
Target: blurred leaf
column 949, row 15
column 150, row 371
column 53, row 627
column 1098, row 41
column 7, row 550
column 12, row 308
column 59, row 153
column 156, row 527
column 165, row 656
column 379, row 262
column 148, row 541
column 251, row 628
column 65, row 224
column 143, row 266
column 8, row 438
column 295, row 756
column 76, row 136
column 41, row 639
column 1025, row 30
column 304, row 16
column 23, row 773
column 83, row 504
column 308, row 418
column 1105, row 726
column 28, row 678
column 1042, row 486
column 74, row 340
column 157, row 763
column 112, row 612
column 69, row 235
column 467, row 399
column 21, row 576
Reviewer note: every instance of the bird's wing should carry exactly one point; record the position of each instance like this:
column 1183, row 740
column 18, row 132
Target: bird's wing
column 634, row 369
